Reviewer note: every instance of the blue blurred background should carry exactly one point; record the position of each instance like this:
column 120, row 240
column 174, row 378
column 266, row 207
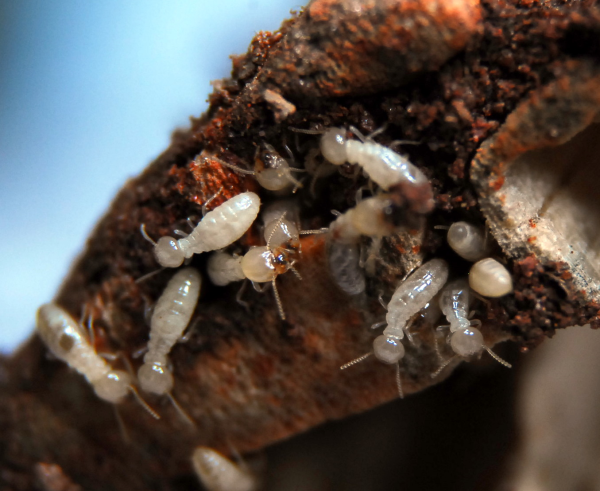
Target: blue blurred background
column 89, row 95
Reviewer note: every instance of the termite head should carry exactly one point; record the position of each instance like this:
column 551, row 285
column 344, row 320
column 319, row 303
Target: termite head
column 257, row 265
column 154, row 376
column 467, row 342
column 333, row 145
column 168, row 252
column 417, row 198
column 388, row 349
column 113, row 387
column 379, row 216
column 282, row 259
column 272, row 170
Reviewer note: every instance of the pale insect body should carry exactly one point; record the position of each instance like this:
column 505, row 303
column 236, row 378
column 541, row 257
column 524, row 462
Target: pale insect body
column 468, row 241
column 271, row 170
column 490, row 278
column 384, row 166
column 218, row 229
column 410, row 297
column 67, row 340
column 465, row 339
column 171, row 316
column 218, row 473
column 374, row 217
column 262, row 264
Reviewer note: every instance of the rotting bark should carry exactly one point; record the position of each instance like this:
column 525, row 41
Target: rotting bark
column 247, row 378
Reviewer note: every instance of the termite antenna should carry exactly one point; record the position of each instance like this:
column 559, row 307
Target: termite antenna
column 278, row 300
column 323, row 230
column 143, row 403
column 231, row 166
column 145, row 234
column 356, row 360
column 275, row 227
column 306, row 131
column 497, row 358
column 186, row 417
column 206, row 203
column 295, row 271
column 122, row 427
column 442, row 366
column 149, row 275
column 399, row 381
column 377, row 325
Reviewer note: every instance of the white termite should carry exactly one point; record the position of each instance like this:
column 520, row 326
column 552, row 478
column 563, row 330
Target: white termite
column 490, row 278
column 262, row 264
column 468, row 241
column 410, row 297
column 217, row 473
column 217, row 229
column 373, row 217
column 465, row 339
column 172, row 314
column 271, row 170
column 66, row 339
column 384, row 166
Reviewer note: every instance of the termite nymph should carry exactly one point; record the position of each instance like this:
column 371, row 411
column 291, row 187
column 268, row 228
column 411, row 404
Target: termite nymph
column 218, row 473
column 465, row 339
column 171, row 316
column 66, row 339
column 490, row 278
column 217, row 229
column 468, row 241
column 262, row 264
column 410, row 297
column 271, row 170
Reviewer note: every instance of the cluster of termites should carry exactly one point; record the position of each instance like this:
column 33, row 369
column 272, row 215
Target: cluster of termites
column 399, row 193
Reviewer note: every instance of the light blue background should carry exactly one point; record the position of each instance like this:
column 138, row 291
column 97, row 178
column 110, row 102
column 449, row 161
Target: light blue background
column 89, row 94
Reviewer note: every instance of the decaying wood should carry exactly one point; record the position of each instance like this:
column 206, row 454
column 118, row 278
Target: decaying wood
column 446, row 75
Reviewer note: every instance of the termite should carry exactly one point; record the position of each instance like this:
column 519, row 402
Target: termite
column 383, row 165
column 217, row 229
column 468, row 241
column 66, row 339
column 218, row 473
column 376, row 217
column 271, row 170
column 262, row 264
column 490, row 278
column 465, row 339
column 171, row 315
column 410, row 297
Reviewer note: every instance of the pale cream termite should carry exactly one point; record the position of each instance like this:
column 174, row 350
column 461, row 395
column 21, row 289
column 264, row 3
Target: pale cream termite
column 490, row 278
column 217, row 473
column 465, row 339
column 271, row 170
column 410, row 297
column 217, row 229
column 172, row 314
column 384, row 166
column 468, row 241
column 66, row 339
column 262, row 264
